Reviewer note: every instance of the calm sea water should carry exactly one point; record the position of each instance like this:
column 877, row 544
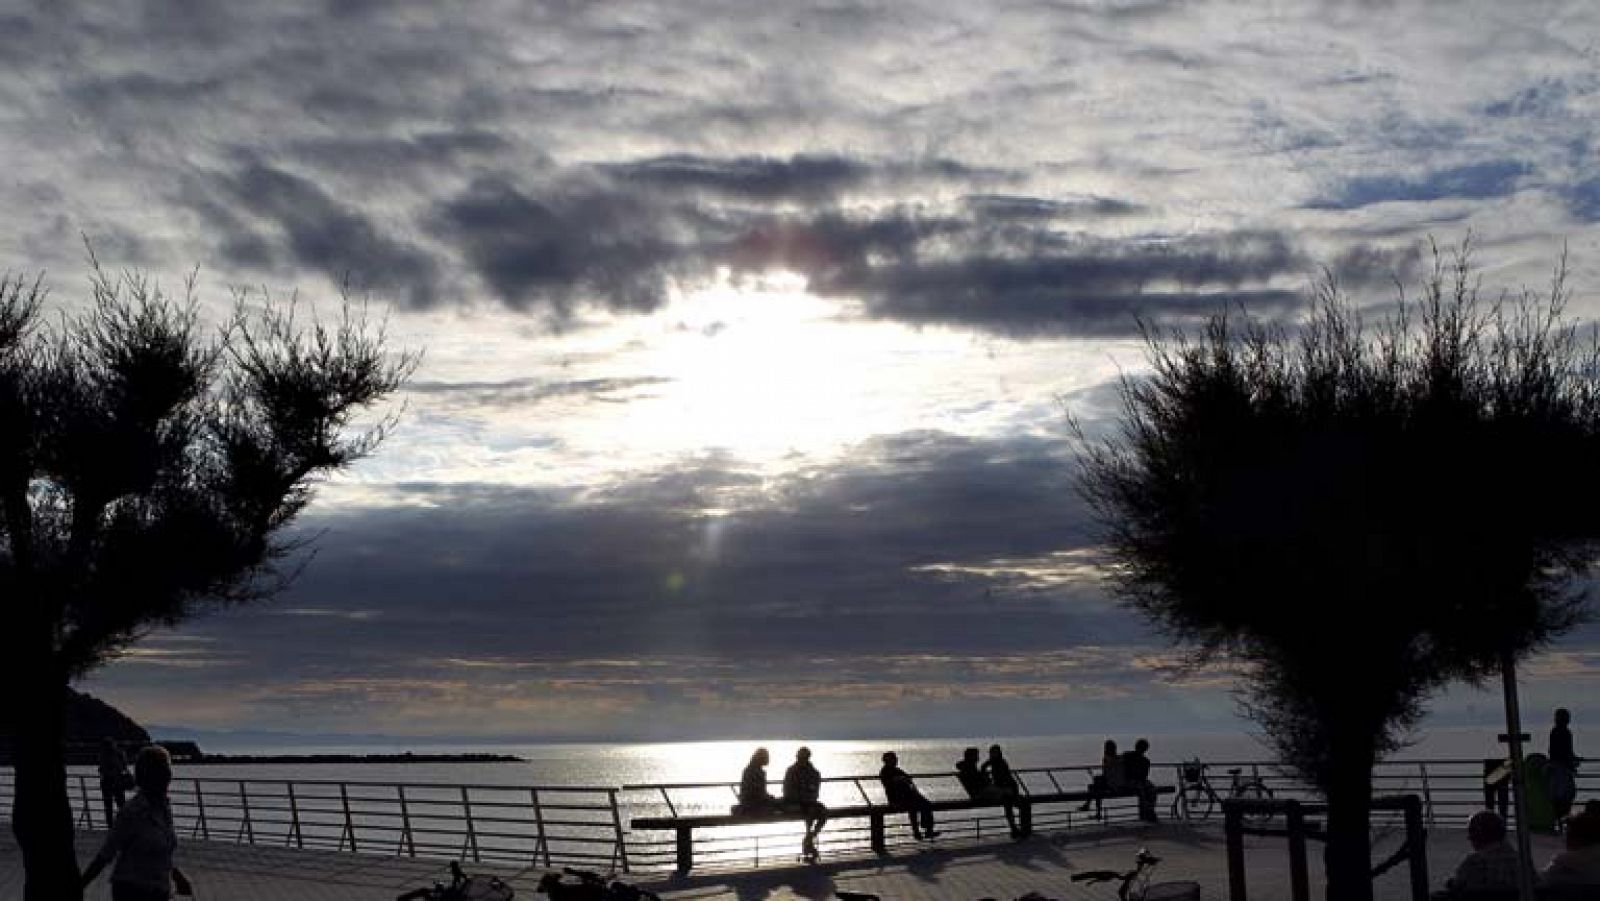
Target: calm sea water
column 722, row 761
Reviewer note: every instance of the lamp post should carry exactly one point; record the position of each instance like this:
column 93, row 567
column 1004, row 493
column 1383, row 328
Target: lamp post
column 1508, row 672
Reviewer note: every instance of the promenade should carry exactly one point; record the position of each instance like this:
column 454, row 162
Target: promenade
column 953, row 872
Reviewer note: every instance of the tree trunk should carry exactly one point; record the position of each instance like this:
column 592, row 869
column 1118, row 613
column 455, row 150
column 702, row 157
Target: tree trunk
column 1348, row 856
column 41, row 817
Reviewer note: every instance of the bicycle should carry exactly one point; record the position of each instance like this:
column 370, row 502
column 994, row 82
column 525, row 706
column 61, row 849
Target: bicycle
column 591, row 886
column 1196, row 783
column 462, row 888
column 1139, row 876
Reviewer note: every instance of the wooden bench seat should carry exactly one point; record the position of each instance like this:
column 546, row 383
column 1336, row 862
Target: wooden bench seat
column 685, row 826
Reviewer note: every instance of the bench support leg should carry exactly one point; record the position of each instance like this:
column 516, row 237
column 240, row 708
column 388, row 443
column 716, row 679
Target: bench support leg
column 1024, row 819
column 685, row 850
column 878, row 844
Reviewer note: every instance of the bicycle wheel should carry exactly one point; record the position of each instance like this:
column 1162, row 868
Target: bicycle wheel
column 1254, row 790
column 1173, row 891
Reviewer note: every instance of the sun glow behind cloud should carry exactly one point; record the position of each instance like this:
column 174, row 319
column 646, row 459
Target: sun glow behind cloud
column 765, row 371
column 755, row 370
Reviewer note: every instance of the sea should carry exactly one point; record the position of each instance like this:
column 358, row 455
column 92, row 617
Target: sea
column 618, row 764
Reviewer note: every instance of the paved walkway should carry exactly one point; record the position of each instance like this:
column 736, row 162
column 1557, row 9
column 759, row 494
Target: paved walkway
column 1042, row 864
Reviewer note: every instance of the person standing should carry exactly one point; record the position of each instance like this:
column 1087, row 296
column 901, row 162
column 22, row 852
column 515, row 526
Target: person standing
column 1563, row 764
column 902, row 793
column 114, row 778
column 1005, row 786
column 802, row 786
column 142, row 841
column 1136, row 775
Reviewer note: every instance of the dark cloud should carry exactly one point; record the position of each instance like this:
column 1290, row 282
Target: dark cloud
column 996, row 263
column 379, row 157
column 522, row 392
column 805, row 178
column 1083, row 286
column 1477, row 181
column 314, row 231
column 885, row 553
column 563, row 246
column 809, row 178
column 1011, row 207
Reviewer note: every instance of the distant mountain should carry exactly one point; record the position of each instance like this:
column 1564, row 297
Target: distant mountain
column 89, row 720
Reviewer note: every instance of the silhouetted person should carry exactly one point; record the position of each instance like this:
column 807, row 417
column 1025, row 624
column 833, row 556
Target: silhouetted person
column 1136, row 775
column 1579, row 864
column 972, row 779
column 114, row 778
column 1563, row 764
column 902, row 793
column 142, row 840
column 754, row 799
column 802, row 786
column 1005, row 785
column 1492, row 865
column 1108, row 780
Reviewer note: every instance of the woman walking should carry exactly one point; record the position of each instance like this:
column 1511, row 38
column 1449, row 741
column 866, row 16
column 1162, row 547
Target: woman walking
column 142, row 840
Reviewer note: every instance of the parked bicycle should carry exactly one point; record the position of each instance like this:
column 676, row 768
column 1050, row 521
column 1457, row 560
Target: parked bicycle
column 1135, row 884
column 1197, row 798
column 591, row 886
column 462, row 888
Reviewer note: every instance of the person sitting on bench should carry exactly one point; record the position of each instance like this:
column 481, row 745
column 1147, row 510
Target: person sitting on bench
column 1107, row 781
column 1136, row 776
column 802, row 785
column 1005, row 785
column 754, row 799
column 1579, row 865
column 902, row 794
column 1492, row 864
column 972, row 779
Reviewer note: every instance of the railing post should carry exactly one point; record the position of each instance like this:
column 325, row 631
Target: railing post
column 406, row 838
column 616, row 822
column 864, row 799
column 1233, row 821
column 294, row 820
column 349, row 823
column 88, row 816
column 685, row 850
column 200, row 802
column 543, row 845
column 1299, row 876
column 472, row 833
column 1417, row 840
column 246, row 828
column 1427, row 794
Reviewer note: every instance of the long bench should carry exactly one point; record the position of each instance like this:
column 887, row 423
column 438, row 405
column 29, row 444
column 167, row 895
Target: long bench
column 685, row 826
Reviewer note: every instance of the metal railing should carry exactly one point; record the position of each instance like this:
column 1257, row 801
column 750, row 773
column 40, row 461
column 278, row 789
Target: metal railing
column 553, row 826
column 547, row 826
column 754, row 845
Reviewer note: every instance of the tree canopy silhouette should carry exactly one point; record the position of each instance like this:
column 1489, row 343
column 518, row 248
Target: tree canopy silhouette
column 1358, row 514
column 148, row 469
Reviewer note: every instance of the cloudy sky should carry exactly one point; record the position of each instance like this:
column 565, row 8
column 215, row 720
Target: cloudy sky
column 751, row 329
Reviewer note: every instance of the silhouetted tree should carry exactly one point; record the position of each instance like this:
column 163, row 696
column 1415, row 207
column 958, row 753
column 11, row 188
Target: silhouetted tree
column 147, row 470
column 1358, row 516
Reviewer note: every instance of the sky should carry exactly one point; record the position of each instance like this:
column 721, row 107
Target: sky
column 751, row 330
